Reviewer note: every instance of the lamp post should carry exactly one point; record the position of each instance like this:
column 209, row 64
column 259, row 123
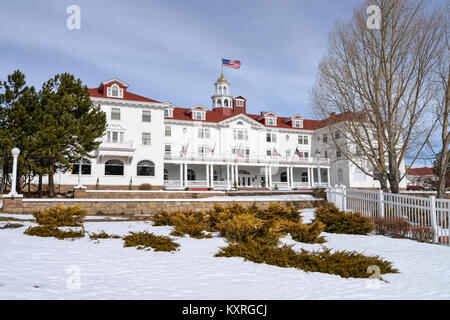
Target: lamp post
column 319, row 179
column 13, row 193
column 79, row 186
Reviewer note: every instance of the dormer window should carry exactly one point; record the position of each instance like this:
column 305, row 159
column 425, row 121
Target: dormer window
column 297, row 123
column 271, row 121
column 198, row 115
column 168, row 113
column 239, row 103
column 115, row 91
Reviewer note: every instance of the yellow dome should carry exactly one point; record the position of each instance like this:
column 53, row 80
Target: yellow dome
column 222, row 79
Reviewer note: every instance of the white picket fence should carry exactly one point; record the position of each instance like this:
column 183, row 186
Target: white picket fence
column 419, row 211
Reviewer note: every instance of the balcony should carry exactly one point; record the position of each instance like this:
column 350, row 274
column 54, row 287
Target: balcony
column 251, row 160
column 123, row 149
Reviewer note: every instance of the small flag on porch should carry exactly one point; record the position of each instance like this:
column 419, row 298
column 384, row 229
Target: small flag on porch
column 213, row 148
column 184, row 149
column 240, row 153
column 298, row 153
column 276, row 153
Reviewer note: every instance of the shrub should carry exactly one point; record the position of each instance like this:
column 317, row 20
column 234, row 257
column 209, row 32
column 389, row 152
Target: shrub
column 10, row 225
column 144, row 240
column 319, row 193
column 61, row 216
column 247, row 227
column 145, row 186
column 306, row 233
column 336, row 221
column 102, row 235
column 397, row 227
column 278, row 211
column 162, row 218
column 52, row 231
column 343, row 263
column 190, row 223
column 422, row 234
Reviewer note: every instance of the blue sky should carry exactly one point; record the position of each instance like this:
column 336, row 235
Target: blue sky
column 171, row 50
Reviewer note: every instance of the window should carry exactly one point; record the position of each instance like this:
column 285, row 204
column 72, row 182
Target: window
column 202, row 150
column 168, row 113
column 325, row 138
column 190, row 175
column 166, row 175
column 358, row 151
column 115, row 113
column 338, row 154
column 297, row 123
column 239, row 103
column 283, row 176
column 219, row 103
column 146, row 168
column 168, row 131
column 340, row 175
column 302, row 139
column 115, row 91
column 114, row 168
column 114, row 136
column 287, row 137
column 326, row 154
column 271, row 121
column 269, row 153
column 305, row 177
column 337, row 134
column 146, row 138
column 225, row 102
column 199, row 115
column 204, row 133
column 146, row 116
column 85, row 167
column 168, row 149
column 240, row 134
column 288, row 153
column 271, row 137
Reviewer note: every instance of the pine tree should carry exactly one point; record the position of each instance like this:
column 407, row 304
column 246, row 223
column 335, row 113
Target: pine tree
column 70, row 124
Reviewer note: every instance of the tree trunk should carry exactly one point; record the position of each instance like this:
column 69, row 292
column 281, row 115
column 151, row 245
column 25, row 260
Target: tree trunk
column 51, row 184
column 442, row 176
column 40, row 185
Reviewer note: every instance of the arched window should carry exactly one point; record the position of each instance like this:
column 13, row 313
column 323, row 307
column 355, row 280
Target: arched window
column 305, row 177
column 190, row 175
column 166, row 174
column 225, row 103
column 225, row 90
column 85, row 167
column 283, row 176
column 219, row 103
column 340, row 174
column 145, row 168
column 115, row 90
column 114, row 168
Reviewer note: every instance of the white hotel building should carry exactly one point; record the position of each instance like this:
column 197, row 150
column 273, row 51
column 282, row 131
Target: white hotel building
column 157, row 143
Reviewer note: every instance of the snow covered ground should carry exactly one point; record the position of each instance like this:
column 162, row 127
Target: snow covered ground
column 47, row 268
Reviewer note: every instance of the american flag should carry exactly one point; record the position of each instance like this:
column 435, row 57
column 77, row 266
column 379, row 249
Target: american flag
column 213, row 148
column 235, row 64
column 240, row 153
column 276, row 153
column 184, row 149
column 298, row 153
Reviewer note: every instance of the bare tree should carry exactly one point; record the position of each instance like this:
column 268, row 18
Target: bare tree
column 443, row 108
column 380, row 81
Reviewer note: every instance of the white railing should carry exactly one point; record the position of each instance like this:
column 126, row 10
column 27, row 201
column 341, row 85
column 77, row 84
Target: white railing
column 116, row 145
column 419, row 211
column 221, row 158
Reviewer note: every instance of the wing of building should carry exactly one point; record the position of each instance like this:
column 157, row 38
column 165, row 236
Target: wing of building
column 165, row 146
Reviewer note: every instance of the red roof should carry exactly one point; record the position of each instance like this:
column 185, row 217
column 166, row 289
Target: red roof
column 96, row 93
column 212, row 116
column 425, row 171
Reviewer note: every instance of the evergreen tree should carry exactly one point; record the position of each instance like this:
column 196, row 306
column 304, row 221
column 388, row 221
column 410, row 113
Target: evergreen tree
column 70, row 125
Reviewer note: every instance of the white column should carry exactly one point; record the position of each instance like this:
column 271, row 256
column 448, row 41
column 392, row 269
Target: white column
column 207, row 175
column 236, row 168
column 13, row 193
column 270, row 178
column 292, row 177
column 232, row 175
column 310, row 177
column 266, row 177
column 228, row 177
column 181, row 175
column 328, row 176
column 212, row 175
column 185, row 175
column 79, row 185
